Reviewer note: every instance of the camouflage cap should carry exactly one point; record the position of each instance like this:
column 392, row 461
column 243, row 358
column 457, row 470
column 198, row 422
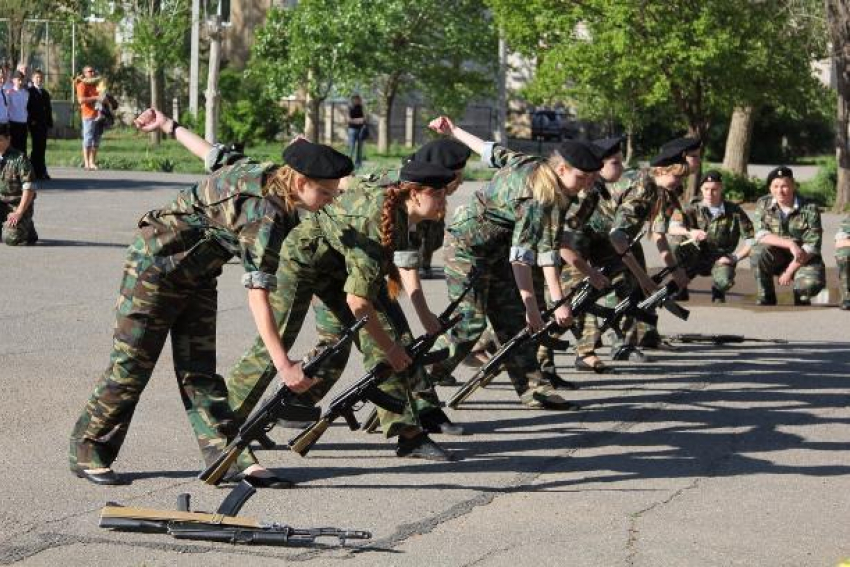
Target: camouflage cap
column 317, row 160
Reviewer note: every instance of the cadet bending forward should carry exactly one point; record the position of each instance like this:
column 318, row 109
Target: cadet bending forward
column 842, row 260
column 343, row 255
column 243, row 209
column 512, row 224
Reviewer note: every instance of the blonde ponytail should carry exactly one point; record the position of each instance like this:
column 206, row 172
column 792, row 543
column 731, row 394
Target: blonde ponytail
column 281, row 183
column 545, row 184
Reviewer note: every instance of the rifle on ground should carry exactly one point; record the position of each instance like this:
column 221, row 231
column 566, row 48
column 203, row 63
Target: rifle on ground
column 222, row 526
column 719, row 339
column 283, row 405
column 366, row 388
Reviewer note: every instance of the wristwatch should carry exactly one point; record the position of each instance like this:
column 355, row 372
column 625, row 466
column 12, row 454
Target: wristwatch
column 174, row 126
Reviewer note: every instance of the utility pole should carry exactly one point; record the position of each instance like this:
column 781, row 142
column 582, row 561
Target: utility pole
column 499, row 134
column 194, row 63
column 215, row 32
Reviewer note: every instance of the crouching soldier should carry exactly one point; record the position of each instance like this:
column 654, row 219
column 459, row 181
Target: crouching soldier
column 717, row 225
column 17, row 193
column 788, row 241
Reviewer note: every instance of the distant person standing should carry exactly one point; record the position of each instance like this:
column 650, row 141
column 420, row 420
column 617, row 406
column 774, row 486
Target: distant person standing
column 4, row 102
column 88, row 97
column 17, row 98
column 39, row 120
column 356, row 130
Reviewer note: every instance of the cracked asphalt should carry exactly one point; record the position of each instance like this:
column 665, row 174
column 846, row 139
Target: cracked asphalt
column 712, row 455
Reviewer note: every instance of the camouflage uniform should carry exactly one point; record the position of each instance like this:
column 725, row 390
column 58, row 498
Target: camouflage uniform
column 16, row 176
column 580, row 237
column 169, row 288
column 502, row 224
column 335, row 252
column 803, row 225
column 428, row 238
column 842, row 260
column 723, row 233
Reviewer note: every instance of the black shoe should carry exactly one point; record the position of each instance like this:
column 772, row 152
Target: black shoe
column 800, row 299
column 559, row 383
column 108, row 478
column 259, row 481
column 447, row 380
column 630, row 353
column 437, row 421
column 845, row 305
column 765, row 300
column 599, row 367
column 683, row 295
column 422, row 447
column 717, row 296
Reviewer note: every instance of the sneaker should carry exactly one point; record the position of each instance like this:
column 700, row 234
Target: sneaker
column 544, row 397
column 422, row 447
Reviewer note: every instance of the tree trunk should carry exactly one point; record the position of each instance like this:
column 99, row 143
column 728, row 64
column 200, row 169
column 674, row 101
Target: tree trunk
column 630, row 144
column 697, row 129
column 156, row 101
column 311, row 117
column 838, row 19
column 385, row 113
column 738, row 141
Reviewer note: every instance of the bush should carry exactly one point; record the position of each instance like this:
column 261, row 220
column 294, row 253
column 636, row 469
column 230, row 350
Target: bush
column 247, row 115
column 821, row 189
column 740, row 188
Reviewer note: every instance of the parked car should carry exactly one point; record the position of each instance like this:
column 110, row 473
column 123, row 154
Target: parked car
column 549, row 125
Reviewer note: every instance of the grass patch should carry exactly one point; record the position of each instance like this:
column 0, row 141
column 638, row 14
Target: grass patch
column 129, row 150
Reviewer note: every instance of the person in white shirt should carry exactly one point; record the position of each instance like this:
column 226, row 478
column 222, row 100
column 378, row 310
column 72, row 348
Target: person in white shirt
column 4, row 101
column 17, row 98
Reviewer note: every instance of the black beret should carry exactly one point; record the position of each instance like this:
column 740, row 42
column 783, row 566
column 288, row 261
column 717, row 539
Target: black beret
column 607, row 147
column 580, row 155
column 781, row 171
column 424, row 173
column 451, row 154
column 670, row 156
column 316, row 160
column 711, row 175
column 682, row 145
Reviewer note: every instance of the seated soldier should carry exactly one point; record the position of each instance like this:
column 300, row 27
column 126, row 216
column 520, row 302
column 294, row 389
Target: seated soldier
column 17, row 193
column 842, row 260
column 716, row 225
column 788, row 241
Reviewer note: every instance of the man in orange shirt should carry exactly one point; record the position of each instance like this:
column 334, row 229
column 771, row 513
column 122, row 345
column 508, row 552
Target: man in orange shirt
column 87, row 96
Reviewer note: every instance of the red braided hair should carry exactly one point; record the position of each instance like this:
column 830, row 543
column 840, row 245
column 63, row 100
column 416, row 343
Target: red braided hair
column 395, row 196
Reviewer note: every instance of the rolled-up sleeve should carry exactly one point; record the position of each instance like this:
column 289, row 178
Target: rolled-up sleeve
column 407, row 259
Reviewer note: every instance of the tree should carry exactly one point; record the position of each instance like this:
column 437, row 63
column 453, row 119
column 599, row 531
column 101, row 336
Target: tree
column 158, row 30
column 838, row 18
column 315, row 46
column 446, row 50
column 638, row 58
column 16, row 12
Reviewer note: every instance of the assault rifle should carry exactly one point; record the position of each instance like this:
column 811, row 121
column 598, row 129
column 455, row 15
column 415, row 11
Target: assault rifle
column 282, row 405
column 719, row 339
column 582, row 298
column 366, row 388
column 222, row 526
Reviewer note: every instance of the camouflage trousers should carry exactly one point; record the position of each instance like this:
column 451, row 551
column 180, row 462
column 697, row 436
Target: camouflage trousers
column 24, row 232
column 704, row 263
column 149, row 308
column 494, row 297
column 585, row 326
column 303, row 273
column 428, row 238
column 770, row 261
column 842, row 260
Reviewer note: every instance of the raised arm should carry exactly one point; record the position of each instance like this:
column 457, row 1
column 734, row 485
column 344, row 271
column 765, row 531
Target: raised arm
column 445, row 126
column 151, row 120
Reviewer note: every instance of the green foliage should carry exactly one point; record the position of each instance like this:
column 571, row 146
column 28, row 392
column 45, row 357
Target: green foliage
column 741, row 188
column 248, row 115
column 631, row 59
column 821, row 189
column 159, row 29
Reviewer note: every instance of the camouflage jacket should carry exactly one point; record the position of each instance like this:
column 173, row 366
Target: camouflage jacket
column 724, row 230
column 844, row 230
column 631, row 202
column 351, row 227
column 504, row 217
column 224, row 215
column 16, row 176
column 802, row 224
column 577, row 233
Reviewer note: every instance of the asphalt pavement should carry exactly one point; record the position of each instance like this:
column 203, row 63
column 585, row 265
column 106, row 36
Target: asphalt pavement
column 711, row 455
